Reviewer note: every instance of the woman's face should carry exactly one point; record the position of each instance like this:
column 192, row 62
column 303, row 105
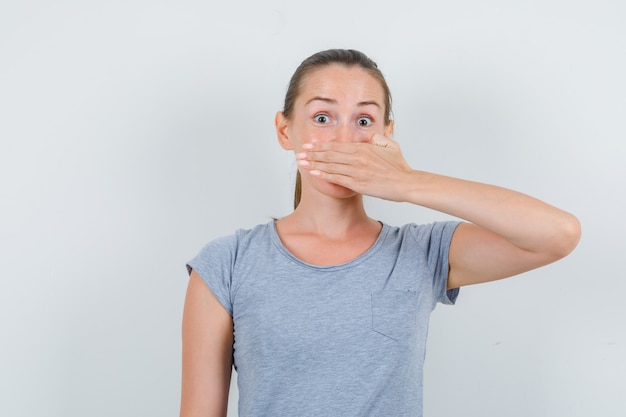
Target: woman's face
column 336, row 103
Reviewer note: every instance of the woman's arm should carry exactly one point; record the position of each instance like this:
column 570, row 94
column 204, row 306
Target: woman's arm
column 207, row 353
column 509, row 232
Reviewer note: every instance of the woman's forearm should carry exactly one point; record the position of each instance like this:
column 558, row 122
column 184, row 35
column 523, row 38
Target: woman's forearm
column 526, row 222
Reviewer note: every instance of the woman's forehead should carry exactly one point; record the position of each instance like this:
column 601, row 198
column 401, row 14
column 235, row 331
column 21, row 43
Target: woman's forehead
column 341, row 83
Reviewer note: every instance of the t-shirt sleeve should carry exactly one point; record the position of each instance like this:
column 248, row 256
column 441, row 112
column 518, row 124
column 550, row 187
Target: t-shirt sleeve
column 435, row 238
column 214, row 264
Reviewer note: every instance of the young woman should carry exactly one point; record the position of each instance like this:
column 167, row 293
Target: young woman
column 324, row 312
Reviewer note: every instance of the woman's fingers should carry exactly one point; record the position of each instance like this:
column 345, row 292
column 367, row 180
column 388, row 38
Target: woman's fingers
column 345, row 161
column 378, row 155
column 374, row 168
column 327, row 156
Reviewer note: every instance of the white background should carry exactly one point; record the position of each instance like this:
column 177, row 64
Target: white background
column 132, row 132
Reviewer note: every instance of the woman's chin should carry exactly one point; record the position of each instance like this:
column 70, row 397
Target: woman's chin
column 334, row 190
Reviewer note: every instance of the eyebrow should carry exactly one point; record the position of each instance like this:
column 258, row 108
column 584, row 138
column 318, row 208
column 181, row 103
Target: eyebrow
column 332, row 101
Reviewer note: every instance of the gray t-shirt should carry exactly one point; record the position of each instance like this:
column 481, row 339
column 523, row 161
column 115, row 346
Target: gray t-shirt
column 341, row 340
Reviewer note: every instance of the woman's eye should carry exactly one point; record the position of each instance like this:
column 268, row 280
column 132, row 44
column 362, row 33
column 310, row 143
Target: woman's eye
column 364, row 121
column 322, row 118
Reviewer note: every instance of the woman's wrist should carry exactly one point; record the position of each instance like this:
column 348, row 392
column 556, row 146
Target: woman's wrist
column 418, row 186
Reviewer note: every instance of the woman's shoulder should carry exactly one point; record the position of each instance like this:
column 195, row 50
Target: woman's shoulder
column 241, row 237
column 423, row 235
column 227, row 249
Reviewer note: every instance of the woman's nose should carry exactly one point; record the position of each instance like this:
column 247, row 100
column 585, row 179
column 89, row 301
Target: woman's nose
column 347, row 133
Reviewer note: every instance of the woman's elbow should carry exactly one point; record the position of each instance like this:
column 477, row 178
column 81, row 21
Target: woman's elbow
column 567, row 236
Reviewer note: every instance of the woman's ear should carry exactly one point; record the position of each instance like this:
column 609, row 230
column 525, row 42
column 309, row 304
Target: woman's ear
column 389, row 130
column 282, row 131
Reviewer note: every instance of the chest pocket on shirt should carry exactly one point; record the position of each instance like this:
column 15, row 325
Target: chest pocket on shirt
column 394, row 313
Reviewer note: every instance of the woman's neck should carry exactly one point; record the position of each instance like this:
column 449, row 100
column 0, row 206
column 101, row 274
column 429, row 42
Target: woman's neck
column 329, row 217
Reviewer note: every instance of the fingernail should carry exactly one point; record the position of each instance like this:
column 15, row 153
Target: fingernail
column 303, row 162
column 307, row 146
column 301, row 155
column 315, row 172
